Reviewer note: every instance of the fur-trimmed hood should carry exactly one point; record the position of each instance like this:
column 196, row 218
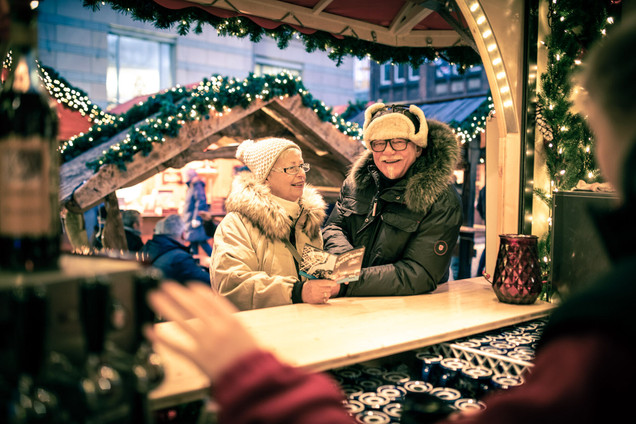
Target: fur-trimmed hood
column 254, row 201
column 429, row 175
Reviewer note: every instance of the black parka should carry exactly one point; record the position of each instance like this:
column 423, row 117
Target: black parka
column 409, row 229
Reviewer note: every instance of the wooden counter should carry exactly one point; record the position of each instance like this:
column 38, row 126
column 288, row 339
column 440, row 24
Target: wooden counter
column 351, row 330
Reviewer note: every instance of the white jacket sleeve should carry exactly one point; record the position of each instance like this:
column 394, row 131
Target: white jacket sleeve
column 249, row 269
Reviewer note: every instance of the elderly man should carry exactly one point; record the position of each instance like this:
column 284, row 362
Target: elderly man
column 166, row 250
column 398, row 202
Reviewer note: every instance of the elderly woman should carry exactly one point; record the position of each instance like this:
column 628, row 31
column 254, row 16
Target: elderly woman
column 272, row 214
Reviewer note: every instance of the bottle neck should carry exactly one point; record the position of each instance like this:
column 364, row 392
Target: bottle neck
column 23, row 75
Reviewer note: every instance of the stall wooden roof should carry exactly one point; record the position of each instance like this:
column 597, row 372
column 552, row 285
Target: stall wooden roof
column 329, row 151
column 398, row 23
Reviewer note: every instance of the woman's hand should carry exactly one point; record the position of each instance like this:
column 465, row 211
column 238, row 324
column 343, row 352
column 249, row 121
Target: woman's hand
column 318, row 291
column 208, row 333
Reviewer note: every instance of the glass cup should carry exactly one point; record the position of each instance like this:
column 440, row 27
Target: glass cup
column 517, row 276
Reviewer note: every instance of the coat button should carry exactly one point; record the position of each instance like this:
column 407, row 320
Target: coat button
column 366, row 219
column 397, row 197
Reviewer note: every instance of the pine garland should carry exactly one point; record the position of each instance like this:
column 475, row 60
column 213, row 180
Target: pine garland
column 568, row 142
column 569, row 154
column 194, row 18
column 165, row 114
column 475, row 123
column 71, row 97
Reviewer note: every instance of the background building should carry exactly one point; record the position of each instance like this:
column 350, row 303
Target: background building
column 114, row 58
column 431, row 82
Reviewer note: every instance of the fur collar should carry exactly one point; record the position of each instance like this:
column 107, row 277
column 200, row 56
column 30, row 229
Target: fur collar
column 253, row 200
column 429, row 175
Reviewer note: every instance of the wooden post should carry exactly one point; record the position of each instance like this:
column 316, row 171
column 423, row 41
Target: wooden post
column 75, row 227
column 114, row 236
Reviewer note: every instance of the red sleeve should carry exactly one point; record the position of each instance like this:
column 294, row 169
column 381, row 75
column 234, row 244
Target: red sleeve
column 576, row 379
column 259, row 389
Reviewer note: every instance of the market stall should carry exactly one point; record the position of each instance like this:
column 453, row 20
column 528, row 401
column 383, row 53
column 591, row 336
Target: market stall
column 327, row 149
column 357, row 329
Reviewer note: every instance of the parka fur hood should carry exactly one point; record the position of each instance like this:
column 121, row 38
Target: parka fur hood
column 253, row 200
column 429, row 175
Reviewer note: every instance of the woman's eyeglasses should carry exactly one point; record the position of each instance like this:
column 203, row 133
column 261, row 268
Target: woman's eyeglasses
column 293, row 170
column 397, row 144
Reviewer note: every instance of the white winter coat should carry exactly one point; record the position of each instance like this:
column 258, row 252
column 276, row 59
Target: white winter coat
column 251, row 265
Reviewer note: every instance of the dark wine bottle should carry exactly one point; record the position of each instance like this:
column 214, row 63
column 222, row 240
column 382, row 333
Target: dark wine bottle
column 29, row 159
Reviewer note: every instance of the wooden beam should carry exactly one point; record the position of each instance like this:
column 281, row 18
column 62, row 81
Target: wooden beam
column 223, row 152
column 299, row 15
column 320, row 6
column 109, row 177
column 307, row 127
column 399, row 17
column 413, row 15
column 441, row 9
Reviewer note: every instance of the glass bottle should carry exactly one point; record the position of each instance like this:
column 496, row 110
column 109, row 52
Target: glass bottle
column 29, row 159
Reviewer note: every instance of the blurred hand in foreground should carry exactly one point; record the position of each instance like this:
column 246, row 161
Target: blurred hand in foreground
column 208, row 334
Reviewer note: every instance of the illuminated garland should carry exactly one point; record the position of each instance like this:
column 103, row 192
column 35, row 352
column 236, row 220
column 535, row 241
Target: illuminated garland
column 71, row 97
column 166, row 113
column 568, row 143
column 63, row 92
column 474, row 124
column 194, row 18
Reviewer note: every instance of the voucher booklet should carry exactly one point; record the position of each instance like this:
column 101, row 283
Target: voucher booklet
column 345, row 267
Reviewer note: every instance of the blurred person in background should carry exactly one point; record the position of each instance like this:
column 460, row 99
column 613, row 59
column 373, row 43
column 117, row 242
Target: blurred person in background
column 132, row 227
column 96, row 240
column 195, row 202
column 166, row 251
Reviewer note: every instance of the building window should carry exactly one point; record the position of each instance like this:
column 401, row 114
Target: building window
column 442, row 70
column 361, row 75
column 473, row 84
column 457, row 86
column 400, row 74
column 385, row 74
column 476, row 69
column 414, row 74
column 441, row 88
column 137, row 65
column 264, row 66
column 448, row 80
column 473, row 78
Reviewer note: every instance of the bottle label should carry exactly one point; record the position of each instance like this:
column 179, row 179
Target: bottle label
column 26, row 194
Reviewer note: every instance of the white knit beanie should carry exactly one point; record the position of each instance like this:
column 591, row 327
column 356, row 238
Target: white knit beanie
column 260, row 156
column 386, row 122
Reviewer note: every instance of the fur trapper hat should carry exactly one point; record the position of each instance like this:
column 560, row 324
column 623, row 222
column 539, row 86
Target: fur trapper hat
column 260, row 156
column 383, row 122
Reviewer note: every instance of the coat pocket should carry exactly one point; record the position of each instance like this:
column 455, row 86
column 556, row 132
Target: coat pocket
column 401, row 222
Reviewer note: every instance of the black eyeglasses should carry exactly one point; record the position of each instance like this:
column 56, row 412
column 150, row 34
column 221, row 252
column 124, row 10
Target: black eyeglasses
column 397, row 144
column 293, row 170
